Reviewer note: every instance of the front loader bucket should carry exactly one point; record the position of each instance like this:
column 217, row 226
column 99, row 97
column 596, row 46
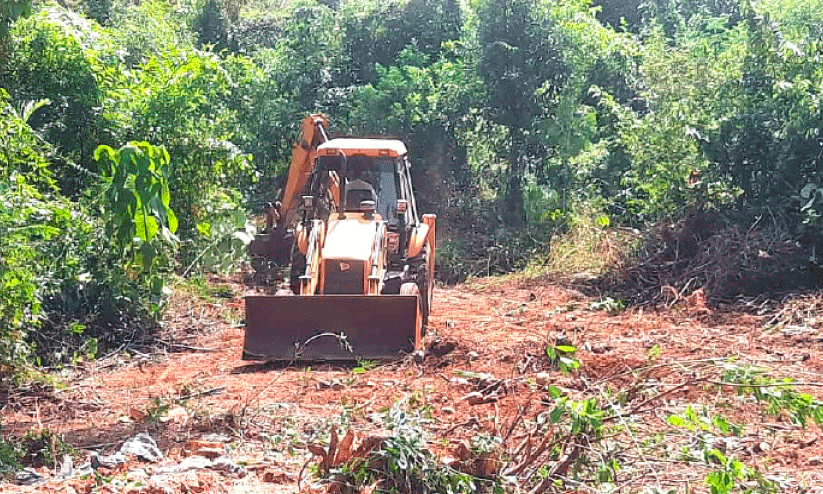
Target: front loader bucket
column 331, row 327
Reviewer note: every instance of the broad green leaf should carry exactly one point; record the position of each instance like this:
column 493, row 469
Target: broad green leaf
column 204, row 228
column 145, row 226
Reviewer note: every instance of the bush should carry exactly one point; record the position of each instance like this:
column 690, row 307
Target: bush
column 50, row 57
column 67, row 287
column 26, row 217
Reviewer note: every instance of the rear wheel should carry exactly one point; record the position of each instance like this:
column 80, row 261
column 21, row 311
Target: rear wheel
column 425, row 283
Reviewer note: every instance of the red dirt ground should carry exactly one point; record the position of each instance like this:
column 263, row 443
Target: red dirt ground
column 656, row 362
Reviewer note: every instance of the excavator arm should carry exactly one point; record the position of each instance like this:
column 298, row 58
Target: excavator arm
column 303, row 154
column 275, row 245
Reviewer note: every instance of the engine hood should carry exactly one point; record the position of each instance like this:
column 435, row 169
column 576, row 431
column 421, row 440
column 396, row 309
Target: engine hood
column 351, row 238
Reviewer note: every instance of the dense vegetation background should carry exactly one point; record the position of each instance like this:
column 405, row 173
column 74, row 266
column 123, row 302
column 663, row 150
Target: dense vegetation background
column 137, row 136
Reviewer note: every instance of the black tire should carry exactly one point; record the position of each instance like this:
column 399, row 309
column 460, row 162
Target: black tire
column 425, row 284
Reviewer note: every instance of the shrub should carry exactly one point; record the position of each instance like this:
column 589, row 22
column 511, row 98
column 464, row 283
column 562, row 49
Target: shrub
column 50, row 57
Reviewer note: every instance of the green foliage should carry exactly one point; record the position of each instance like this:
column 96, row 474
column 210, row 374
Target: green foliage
column 488, row 253
column 766, row 145
column 212, row 27
column 224, row 236
column 580, row 417
column 778, row 396
column 403, row 462
column 377, row 33
column 733, row 476
column 692, row 421
column 51, row 59
column 588, row 244
column 43, row 448
column 364, row 366
column 10, row 11
column 189, row 101
column 523, row 68
column 563, row 357
column 728, row 474
column 147, row 29
column 10, row 454
column 37, row 448
column 137, row 209
column 664, row 142
column 26, row 217
column 811, row 197
column 297, row 65
column 677, row 16
column 609, row 305
column 524, row 112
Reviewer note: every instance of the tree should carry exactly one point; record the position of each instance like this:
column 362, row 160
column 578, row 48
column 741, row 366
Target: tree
column 50, row 59
column 523, row 68
column 10, row 11
column 386, row 29
column 769, row 144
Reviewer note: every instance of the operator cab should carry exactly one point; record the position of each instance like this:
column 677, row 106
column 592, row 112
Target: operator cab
column 369, row 170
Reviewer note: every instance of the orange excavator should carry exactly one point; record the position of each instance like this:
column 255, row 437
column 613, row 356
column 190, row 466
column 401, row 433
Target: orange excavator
column 361, row 258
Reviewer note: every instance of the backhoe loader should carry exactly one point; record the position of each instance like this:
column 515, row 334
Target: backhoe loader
column 361, row 259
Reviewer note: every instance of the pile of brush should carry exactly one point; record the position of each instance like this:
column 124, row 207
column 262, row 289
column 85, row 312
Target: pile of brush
column 700, row 257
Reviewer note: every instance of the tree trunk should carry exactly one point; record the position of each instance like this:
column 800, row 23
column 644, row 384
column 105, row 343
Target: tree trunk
column 513, row 210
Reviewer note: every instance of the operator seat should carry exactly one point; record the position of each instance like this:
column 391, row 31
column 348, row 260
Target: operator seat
column 358, row 191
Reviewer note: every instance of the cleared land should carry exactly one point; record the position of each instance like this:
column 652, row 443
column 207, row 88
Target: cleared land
column 666, row 389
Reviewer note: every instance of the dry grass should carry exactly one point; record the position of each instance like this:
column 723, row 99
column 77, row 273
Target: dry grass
column 591, row 249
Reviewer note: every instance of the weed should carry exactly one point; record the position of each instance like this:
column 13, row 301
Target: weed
column 364, row 366
column 563, row 357
column 653, row 353
column 733, row 476
column 157, row 411
column 11, row 453
column 398, row 463
column 779, row 396
column 562, row 441
column 233, row 316
column 43, row 448
column 728, row 474
column 200, row 287
column 589, row 246
column 86, row 352
column 691, row 421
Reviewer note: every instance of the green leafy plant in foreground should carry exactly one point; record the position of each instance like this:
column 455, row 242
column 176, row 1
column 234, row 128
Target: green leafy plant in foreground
column 10, row 455
column 403, row 463
column 778, row 396
column 44, row 447
column 563, row 357
column 571, row 431
column 729, row 474
column 37, row 448
column 137, row 208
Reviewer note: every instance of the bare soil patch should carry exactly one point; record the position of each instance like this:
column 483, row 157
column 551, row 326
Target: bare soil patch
column 487, row 337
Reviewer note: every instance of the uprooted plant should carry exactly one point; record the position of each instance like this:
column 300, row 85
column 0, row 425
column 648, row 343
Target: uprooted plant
column 556, row 446
column 595, row 437
column 397, row 461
